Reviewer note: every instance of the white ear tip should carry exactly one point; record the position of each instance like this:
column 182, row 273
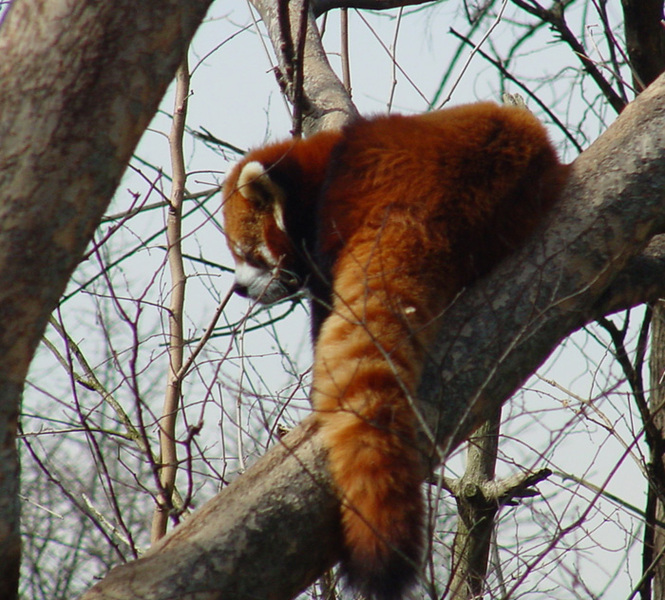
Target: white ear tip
column 252, row 172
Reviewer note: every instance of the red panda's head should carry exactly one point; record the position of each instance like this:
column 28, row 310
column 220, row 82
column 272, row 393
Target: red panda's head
column 256, row 234
column 269, row 205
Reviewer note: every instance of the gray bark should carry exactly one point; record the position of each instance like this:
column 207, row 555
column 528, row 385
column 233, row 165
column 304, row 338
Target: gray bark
column 79, row 82
column 653, row 564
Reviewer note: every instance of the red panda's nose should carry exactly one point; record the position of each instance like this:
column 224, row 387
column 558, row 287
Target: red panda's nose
column 240, row 289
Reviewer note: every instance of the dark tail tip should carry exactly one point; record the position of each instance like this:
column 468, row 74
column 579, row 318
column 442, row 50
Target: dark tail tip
column 391, row 570
column 391, row 582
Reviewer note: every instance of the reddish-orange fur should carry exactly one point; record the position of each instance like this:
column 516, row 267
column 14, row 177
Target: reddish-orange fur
column 385, row 223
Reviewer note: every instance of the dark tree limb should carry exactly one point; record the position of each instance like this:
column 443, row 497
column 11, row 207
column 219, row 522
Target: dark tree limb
column 322, row 6
column 645, row 39
column 653, row 565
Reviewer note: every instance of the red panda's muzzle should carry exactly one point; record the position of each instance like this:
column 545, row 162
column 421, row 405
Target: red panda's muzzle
column 264, row 285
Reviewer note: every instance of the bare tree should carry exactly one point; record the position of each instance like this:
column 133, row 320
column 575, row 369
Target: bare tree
column 275, row 529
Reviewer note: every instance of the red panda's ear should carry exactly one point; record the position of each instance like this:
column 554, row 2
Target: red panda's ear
column 254, row 184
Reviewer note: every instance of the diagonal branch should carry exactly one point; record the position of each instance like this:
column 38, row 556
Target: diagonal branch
column 613, row 207
column 494, row 337
column 555, row 17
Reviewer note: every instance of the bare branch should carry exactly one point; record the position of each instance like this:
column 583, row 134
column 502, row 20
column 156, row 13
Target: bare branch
column 168, row 455
column 555, row 16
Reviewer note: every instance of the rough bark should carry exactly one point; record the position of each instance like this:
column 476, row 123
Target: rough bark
column 645, row 44
column 79, row 82
column 476, row 513
column 494, row 337
column 641, row 280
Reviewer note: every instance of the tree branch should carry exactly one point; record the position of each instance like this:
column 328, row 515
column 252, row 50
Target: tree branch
column 68, row 68
column 323, row 6
column 258, row 538
column 325, row 103
column 498, row 336
column 555, row 17
column 641, row 280
column 493, row 338
column 166, row 471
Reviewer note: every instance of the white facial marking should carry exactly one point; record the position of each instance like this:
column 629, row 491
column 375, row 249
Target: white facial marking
column 263, row 285
column 278, row 214
column 247, row 275
column 267, row 255
column 238, row 250
column 255, row 184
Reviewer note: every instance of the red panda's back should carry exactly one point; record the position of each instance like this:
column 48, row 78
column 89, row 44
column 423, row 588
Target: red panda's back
column 470, row 179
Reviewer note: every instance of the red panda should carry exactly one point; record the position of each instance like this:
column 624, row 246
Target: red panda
column 384, row 222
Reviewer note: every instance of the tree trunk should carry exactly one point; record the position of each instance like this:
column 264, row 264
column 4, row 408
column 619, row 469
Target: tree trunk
column 645, row 39
column 476, row 513
column 79, row 82
column 654, row 536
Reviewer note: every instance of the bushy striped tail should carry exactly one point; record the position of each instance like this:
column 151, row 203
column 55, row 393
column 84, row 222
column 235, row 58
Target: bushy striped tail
column 361, row 395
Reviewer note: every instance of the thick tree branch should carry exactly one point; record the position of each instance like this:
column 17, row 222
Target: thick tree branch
column 68, row 68
column 613, row 206
column 325, row 102
column 493, row 338
column 266, row 536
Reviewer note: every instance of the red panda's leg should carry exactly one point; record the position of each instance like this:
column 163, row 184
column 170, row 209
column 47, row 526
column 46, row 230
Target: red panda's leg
column 367, row 367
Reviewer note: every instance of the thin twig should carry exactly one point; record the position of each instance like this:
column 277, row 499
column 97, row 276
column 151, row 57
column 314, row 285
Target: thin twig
column 167, row 422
